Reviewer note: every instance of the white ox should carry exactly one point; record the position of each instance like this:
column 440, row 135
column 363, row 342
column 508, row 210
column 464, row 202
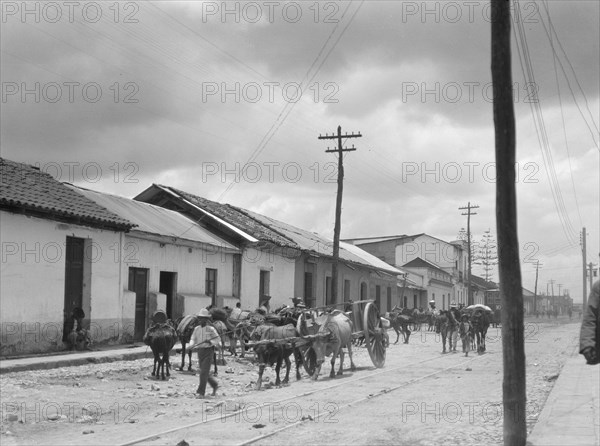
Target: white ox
column 338, row 328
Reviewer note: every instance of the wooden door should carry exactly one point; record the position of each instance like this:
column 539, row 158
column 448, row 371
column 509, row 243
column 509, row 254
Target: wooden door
column 138, row 283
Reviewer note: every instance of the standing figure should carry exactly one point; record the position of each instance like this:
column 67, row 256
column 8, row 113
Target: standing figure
column 466, row 334
column 265, row 306
column 453, row 326
column 589, row 337
column 236, row 312
column 433, row 316
column 204, row 339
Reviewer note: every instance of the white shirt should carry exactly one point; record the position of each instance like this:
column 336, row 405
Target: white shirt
column 203, row 336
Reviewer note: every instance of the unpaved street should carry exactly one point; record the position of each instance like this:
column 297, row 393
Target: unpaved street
column 420, row 397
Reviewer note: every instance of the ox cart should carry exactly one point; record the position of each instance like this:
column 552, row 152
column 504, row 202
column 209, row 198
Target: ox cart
column 366, row 321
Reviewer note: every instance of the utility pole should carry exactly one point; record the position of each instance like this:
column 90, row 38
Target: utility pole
column 404, row 276
column 537, row 267
column 584, row 270
column 468, row 207
column 338, row 204
column 591, row 273
column 552, row 289
column 511, row 288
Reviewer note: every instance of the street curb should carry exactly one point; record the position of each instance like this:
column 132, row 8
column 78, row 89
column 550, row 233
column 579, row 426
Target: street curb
column 50, row 363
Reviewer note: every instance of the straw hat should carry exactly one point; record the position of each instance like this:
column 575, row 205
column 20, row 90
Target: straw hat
column 204, row 313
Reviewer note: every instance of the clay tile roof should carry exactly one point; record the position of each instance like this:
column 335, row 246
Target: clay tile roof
column 25, row 188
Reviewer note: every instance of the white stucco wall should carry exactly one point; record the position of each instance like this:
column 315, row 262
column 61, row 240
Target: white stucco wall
column 32, row 285
column 190, row 266
column 32, row 281
column 281, row 287
column 188, row 262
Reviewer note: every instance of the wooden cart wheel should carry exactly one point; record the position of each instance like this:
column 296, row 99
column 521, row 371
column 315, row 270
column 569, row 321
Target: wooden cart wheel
column 309, row 358
column 374, row 335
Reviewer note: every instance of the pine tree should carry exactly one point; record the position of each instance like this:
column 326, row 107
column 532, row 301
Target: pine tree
column 487, row 255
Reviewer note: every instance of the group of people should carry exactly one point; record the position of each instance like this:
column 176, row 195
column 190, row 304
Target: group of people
column 205, row 339
column 458, row 325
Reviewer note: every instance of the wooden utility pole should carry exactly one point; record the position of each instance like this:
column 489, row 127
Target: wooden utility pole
column 338, row 204
column 591, row 274
column 584, row 270
column 405, row 276
column 468, row 207
column 537, row 267
column 511, row 289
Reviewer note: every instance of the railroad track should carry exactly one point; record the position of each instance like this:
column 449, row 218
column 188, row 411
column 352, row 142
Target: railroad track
column 321, row 404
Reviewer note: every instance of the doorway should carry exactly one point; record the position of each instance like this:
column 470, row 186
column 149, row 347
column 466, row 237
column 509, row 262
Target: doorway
column 73, row 281
column 138, row 283
column 168, row 286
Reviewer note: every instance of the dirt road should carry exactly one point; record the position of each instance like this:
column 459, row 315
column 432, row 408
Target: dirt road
column 420, row 397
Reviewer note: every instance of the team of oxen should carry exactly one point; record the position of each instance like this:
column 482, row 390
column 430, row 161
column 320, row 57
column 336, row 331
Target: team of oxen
column 288, row 331
column 471, row 323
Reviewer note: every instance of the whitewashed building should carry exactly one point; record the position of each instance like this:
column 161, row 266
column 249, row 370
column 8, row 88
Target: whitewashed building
column 281, row 260
column 58, row 253
column 168, row 262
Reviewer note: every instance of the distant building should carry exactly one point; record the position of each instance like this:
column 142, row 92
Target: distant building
column 400, row 250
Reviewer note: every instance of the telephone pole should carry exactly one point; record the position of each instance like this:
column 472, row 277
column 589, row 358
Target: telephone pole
column 468, row 207
column 338, row 204
column 537, row 267
column 584, row 269
column 552, row 289
column 591, row 273
column 511, row 289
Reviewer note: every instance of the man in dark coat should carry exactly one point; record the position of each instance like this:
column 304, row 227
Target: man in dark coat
column 589, row 337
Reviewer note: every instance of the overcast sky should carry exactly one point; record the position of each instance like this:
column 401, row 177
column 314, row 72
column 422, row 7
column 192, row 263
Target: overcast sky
column 227, row 99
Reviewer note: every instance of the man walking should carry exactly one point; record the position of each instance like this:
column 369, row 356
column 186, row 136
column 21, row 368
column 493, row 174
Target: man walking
column 453, row 326
column 204, row 339
column 589, row 337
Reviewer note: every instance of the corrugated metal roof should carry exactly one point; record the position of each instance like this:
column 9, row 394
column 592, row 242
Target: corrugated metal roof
column 155, row 220
column 366, row 240
column 25, row 187
column 369, row 258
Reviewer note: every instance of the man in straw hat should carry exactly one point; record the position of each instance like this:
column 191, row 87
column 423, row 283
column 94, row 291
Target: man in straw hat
column 298, row 302
column 453, row 326
column 204, row 339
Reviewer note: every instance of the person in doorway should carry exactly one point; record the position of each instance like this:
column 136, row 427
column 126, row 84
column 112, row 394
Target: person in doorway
column 237, row 311
column 589, row 337
column 204, row 339
column 264, row 306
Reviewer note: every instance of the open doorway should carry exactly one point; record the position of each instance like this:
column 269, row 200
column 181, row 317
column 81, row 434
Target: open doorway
column 74, row 265
column 168, row 286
